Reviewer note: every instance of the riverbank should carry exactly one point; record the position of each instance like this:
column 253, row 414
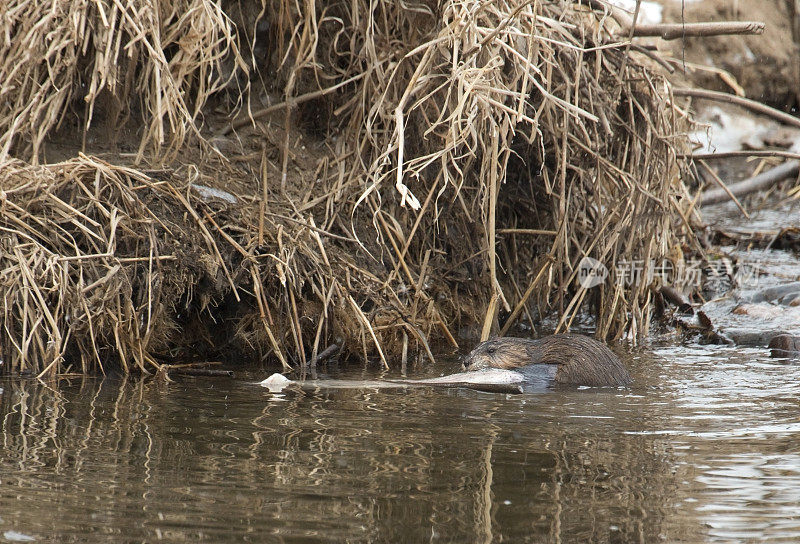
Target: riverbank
column 264, row 185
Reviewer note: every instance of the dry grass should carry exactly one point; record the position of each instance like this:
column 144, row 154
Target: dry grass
column 98, row 263
column 468, row 155
column 496, row 143
column 153, row 60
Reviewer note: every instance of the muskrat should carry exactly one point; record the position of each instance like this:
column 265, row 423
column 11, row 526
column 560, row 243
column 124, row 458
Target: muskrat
column 562, row 358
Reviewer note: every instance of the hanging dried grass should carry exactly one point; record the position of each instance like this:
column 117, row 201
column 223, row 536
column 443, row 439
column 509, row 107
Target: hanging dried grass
column 472, row 154
column 161, row 59
column 493, row 145
column 96, row 263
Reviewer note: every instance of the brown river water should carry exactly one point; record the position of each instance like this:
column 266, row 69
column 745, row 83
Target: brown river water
column 704, row 447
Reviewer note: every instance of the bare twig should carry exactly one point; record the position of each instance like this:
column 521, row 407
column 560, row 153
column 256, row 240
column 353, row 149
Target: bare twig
column 288, row 104
column 199, row 372
column 751, row 185
column 672, row 31
column 752, row 105
column 725, row 188
column 324, row 355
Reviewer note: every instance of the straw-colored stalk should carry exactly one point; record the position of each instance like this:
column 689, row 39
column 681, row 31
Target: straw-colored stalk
column 164, row 58
column 472, row 153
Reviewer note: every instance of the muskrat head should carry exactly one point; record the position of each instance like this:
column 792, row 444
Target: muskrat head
column 497, row 353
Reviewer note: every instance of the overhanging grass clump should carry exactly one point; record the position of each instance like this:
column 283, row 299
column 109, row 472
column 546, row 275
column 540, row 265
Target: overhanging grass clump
column 495, row 145
column 153, row 61
column 428, row 168
column 101, row 265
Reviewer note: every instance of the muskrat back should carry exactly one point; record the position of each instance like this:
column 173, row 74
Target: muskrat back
column 577, row 359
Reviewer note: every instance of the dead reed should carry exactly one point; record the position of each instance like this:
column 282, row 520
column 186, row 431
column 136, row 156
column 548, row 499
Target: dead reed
column 466, row 156
column 492, row 146
column 99, row 265
column 153, row 60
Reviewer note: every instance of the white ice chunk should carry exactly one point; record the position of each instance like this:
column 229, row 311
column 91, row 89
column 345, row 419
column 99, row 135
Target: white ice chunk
column 276, row 382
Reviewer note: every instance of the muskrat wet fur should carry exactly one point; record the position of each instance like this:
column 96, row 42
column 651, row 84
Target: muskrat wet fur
column 580, row 360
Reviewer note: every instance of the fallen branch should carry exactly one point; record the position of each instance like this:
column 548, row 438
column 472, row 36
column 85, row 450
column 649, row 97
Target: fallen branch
column 510, row 388
column 740, row 153
column 751, row 185
column 326, row 353
column 752, row 105
column 676, row 298
column 672, row 31
column 199, row 372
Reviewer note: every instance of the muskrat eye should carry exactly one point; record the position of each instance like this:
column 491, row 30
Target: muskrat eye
column 491, row 350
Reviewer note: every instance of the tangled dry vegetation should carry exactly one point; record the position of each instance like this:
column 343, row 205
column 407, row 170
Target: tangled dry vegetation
column 466, row 156
column 101, row 263
column 155, row 59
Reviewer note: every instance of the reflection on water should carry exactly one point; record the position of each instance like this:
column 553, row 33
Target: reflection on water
column 702, row 448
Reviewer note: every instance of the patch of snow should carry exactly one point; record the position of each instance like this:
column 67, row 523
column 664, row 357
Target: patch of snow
column 729, row 132
column 14, row 536
column 650, row 13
